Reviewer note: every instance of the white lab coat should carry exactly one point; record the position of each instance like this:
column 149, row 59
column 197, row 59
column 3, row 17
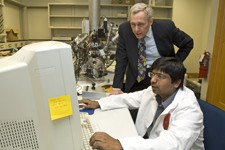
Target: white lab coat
column 185, row 130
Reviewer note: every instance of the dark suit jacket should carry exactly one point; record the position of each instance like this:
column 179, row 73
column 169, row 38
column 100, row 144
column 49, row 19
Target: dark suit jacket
column 166, row 35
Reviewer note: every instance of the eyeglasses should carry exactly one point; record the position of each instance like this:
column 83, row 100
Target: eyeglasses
column 140, row 25
column 159, row 76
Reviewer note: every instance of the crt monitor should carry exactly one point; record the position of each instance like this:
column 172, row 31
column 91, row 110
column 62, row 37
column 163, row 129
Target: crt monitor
column 38, row 102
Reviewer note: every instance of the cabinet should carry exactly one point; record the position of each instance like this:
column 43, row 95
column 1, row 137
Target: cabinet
column 163, row 9
column 65, row 19
column 195, row 85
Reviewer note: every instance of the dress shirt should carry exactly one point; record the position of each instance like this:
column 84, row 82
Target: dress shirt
column 151, row 50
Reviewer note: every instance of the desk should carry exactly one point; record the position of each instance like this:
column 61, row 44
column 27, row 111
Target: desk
column 117, row 122
column 85, row 81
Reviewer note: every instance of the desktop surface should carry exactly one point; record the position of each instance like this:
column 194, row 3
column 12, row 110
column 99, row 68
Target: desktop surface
column 117, row 127
column 117, row 123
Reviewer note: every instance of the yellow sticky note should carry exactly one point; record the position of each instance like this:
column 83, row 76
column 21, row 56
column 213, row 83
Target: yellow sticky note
column 60, row 107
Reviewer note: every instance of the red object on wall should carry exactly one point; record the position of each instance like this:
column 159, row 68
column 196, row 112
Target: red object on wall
column 204, row 65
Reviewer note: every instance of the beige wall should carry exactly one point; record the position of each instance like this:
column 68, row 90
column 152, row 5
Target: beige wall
column 190, row 16
column 38, row 23
column 198, row 19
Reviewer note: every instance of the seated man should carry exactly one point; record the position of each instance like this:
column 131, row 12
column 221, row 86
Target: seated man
column 179, row 125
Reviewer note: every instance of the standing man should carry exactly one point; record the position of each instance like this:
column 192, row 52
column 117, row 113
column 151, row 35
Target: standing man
column 169, row 116
column 159, row 37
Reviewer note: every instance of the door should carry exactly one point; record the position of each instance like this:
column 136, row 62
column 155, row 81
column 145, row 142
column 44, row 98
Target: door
column 216, row 85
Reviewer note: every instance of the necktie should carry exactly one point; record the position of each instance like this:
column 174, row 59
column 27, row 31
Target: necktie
column 159, row 110
column 141, row 60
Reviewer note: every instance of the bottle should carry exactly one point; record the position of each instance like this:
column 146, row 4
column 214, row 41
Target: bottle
column 105, row 25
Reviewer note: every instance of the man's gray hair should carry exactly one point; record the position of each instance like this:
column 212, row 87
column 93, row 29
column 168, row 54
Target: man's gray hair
column 136, row 8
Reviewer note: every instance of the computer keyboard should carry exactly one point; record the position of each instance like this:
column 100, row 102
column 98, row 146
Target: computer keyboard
column 88, row 128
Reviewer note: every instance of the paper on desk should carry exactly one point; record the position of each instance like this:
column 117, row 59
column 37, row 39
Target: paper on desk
column 60, row 107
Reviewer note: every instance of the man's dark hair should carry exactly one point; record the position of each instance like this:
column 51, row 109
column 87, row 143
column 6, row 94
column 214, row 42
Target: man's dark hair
column 171, row 66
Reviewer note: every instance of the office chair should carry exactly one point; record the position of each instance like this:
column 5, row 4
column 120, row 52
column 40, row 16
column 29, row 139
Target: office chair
column 214, row 122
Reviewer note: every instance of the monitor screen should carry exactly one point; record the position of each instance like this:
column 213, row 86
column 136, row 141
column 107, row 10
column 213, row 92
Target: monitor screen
column 38, row 102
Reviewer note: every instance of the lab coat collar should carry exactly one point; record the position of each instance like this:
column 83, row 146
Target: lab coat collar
column 180, row 93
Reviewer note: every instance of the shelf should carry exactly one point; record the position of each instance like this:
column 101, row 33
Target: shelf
column 11, row 45
column 64, row 17
column 67, row 9
column 68, row 4
column 161, row 3
column 68, row 28
column 115, row 5
column 2, row 35
column 61, row 38
column 161, row 18
column 114, row 17
column 163, row 9
column 67, row 16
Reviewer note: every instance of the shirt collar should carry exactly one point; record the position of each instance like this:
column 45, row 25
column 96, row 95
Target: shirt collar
column 169, row 100
column 149, row 33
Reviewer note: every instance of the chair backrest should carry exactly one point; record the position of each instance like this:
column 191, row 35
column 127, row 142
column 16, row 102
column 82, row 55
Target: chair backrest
column 214, row 122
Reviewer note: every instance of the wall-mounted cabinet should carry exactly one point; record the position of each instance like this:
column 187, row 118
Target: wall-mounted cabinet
column 163, row 9
column 63, row 16
column 65, row 19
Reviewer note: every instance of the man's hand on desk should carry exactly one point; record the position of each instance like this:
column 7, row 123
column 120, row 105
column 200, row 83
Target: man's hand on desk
column 90, row 104
column 103, row 141
column 116, row 91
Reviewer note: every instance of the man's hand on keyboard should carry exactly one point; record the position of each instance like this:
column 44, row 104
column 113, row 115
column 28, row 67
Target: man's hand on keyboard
column 103, row 141
column 90, row 104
